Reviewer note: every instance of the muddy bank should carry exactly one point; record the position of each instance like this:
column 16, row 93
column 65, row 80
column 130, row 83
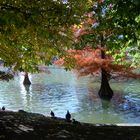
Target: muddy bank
column 23, row 125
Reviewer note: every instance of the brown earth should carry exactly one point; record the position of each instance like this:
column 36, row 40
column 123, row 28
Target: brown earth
column 22, row 125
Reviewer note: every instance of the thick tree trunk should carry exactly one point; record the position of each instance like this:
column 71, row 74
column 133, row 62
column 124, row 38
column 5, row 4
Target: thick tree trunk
column 105, row 91
column 26, row 79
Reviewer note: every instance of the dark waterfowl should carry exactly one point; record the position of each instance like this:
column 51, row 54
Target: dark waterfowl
column 52, row 114
column 68, row 116
column 75, row 122
column 3, row 108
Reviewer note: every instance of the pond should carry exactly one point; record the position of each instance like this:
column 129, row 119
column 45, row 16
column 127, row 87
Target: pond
column 62, row 90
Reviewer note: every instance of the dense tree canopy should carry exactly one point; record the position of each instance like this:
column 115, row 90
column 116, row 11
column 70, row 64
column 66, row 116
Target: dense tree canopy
column 33, row 31
column 118, row 22
column 114, row 25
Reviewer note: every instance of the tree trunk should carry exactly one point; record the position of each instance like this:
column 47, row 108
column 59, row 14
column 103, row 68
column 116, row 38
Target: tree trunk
column 26, row 79
column 105, row 91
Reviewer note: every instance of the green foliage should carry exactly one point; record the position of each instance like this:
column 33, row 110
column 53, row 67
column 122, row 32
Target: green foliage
column 33, row 31
column 116, row 27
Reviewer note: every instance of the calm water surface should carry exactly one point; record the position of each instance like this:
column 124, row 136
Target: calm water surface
column 61, row 91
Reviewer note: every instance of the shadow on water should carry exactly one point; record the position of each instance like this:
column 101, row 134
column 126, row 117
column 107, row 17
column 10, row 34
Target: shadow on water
column 105, row 104
column 27, row 88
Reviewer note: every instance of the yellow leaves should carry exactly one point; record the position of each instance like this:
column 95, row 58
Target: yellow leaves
column 78, row 26
column 90, row 1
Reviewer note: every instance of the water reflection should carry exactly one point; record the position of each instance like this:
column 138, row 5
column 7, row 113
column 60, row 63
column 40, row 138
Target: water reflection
column 61, row 91
column 105, row 105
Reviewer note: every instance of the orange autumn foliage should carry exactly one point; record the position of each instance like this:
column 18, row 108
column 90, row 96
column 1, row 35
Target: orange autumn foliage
column 83, row 28
column 89, row 62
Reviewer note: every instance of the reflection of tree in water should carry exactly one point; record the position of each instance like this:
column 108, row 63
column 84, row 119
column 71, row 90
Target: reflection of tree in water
column 105, row 104
column 27, row 88
column 131, row 104
column 93, row 109
column 88, row 99
column 126, row 104
column 28, row 97
column 118, row 98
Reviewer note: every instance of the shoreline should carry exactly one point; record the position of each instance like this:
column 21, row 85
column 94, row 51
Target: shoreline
column 26, row 125
column 60, row 118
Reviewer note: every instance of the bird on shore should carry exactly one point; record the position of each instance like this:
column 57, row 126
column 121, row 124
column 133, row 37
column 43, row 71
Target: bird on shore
column 52, row 114
column 75, row 122
column 68, row 116
column 3, row 108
